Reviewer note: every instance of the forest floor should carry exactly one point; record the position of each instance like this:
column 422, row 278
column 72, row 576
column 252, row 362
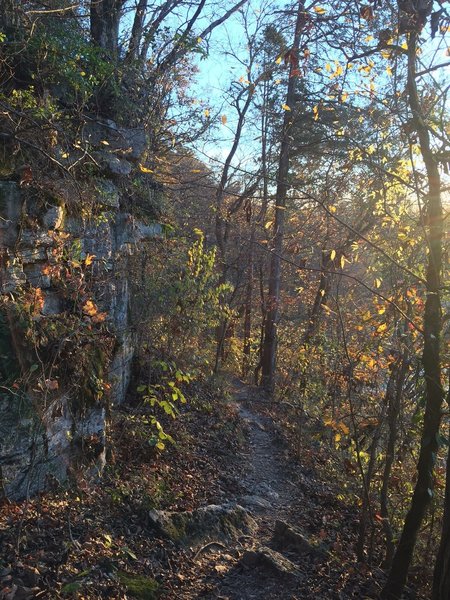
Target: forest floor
column 99, row 540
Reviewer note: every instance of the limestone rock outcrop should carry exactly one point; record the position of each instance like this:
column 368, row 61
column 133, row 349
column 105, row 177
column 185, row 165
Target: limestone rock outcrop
column 47, row 241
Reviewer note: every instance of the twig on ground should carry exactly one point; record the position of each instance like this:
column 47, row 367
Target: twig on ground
column 206, row 546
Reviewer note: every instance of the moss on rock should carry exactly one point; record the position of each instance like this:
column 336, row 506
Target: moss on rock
column 140, row 586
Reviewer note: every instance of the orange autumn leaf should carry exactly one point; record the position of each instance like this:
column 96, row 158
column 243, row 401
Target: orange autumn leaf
column 99, row 317
column 90, row 308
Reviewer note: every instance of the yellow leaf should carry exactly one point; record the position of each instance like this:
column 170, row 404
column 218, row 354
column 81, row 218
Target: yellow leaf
column 90, row 308
column 199, row 40
column 144, row 169
column 89, row 259
column 381, row 311
column 316, row 112
column 206, row 113
column 332, row 209
column 285, row 107
column 389, row 71
column 333, row 254
column 319, row 10
column 278, row 60
column 342, row 261
column 337, row 437
column 343, row 427
column 381, row 328
column 344, row 96
column 268, row 225
column 104, row 142
column 377, row 283
column 328, row 67
column 224, row 119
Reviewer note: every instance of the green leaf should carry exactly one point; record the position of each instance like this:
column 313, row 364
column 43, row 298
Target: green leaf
column 71, row 588
column 130, row 553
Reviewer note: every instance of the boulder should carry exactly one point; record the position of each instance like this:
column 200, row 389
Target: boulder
column 35, row 276
column 128, row 142
column 255, row 502
column 107, row 193
column 53, row 218
column 113, row 165
column 209, row 523
column 269, row 560
column 287, row 537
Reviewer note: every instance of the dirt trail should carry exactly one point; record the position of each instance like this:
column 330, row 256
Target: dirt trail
column 268, row 478
column 270, row 490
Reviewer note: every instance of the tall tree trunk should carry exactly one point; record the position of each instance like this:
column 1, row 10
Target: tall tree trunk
column 434, row 392
column 137, row 30
column 105, row 20
column 248, row 306
column 321, row 295
column 366, row 516
column 104, row 23
column 10, row 18
column 268, row 361
column 393, row 398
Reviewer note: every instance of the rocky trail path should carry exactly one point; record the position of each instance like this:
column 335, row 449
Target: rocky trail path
column 273, row 559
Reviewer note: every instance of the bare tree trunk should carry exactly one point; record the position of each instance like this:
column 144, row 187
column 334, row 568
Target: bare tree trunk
column 268, row 361
column 248, row 307
column 366, row 516
column 393, row 398
column 10, row 18
column 137, row 30
column 105, row 20
column 434, row 392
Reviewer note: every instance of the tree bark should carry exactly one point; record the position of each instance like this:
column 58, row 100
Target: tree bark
column 246, row 359
column 268, row 361
column 393, row 398
column 434, row 392
column 137, row 30
column 105, row 20
column 441, row 579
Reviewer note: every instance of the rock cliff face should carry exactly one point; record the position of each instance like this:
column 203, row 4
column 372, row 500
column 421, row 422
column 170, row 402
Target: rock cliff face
column 65, row 327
